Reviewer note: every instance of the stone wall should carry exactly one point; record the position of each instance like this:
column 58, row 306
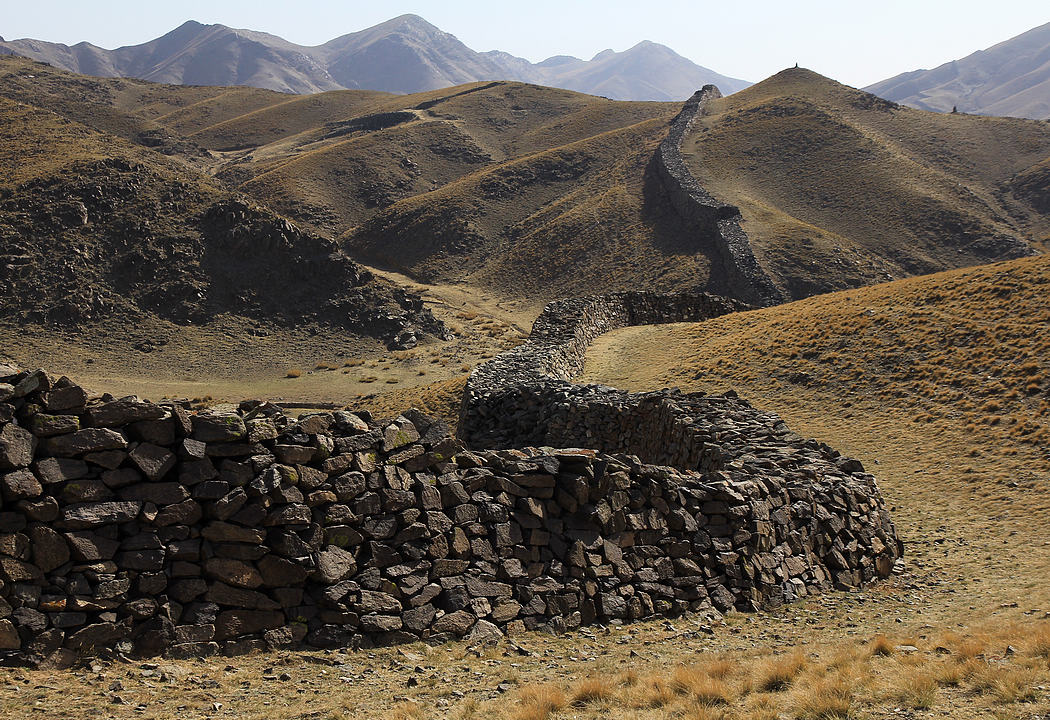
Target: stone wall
column 152, row 529
column 715, row 219
column 523, row 396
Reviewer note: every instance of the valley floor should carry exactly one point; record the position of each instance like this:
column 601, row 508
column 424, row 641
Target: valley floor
column 961, row 630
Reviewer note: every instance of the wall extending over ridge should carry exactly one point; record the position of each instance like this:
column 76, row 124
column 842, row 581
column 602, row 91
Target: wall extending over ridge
column 151, row 529
column 710, row 216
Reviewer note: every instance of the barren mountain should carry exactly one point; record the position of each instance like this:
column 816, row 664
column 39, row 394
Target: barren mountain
column 1011, row 78
column 403, row 55
column 839, row 188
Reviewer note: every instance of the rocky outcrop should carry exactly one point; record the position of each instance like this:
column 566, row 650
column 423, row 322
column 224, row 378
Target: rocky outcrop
column 150, row 529
column 711, row 217
column 109, row 241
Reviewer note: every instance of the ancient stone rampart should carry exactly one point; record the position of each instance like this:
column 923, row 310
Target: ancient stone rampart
column 523, row 397
column 152, row 529
column 715, row 219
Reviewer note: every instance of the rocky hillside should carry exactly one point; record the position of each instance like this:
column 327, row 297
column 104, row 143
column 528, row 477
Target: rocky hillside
column 1011, row 78
column 93, row 229
column 403, row 55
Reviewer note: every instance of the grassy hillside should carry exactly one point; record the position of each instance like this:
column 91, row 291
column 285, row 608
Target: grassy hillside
column 957, row 359
column 104, row 236
column 537, row 193
column 941, row 386
column 838, row 188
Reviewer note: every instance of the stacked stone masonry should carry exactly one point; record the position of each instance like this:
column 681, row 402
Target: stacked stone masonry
column 715, row 219
column 149, row 529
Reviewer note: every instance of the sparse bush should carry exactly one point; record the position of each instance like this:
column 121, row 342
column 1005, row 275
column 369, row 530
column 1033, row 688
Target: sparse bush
column 293, row 373
column 880, row 645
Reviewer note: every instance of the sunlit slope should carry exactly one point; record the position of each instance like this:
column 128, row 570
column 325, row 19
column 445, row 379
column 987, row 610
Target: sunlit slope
column 342, row 169
column 577, row 219
column 839, row 188
column 957, row 362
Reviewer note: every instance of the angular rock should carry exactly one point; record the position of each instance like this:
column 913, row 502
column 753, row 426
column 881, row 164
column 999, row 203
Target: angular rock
column 334, row 564
column 458, row 623
column 44, row 425
column 217, row 427
column 158, row 493
column 154, row 461
column 124, row 412
column 233, row 623
column 89, row 515
column 20, row 484
column 50, row 549
column 234, row 572
column 56, row 470
column 86, row 441
column 17, row 446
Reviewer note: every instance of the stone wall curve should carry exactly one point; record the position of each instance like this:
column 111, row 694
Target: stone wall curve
column 151, row 529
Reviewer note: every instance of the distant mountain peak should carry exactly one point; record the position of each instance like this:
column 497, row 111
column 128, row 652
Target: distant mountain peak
column 403, row 54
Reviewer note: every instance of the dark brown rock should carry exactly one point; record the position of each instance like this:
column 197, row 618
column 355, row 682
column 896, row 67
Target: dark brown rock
column 20, row 484
column 44, row 425
column 86, row 441
column 234, row 572
column 154, row 461
column 49, row 548
column 234, row 623
column 89, row 515
column 17, row 446
column 124, row 412
column 457, row 623
column 56, row 470
column 334, row 564
column 218, row 428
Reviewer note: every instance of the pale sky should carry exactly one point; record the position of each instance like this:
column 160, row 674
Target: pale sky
column 855, row 43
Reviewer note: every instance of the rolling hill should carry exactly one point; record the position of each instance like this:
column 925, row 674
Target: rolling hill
column 97, row 230
column 403, row 55
column 475, row 183
column 839, row 188
column 1011, row 78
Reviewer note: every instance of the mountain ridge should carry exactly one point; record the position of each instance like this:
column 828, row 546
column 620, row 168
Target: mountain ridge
column 405, row 54
column 1011, row 78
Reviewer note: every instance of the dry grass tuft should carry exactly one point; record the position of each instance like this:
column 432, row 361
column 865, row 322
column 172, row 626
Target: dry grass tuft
column 539, row 702
column 405, row 711
column 1039, row 641
column 591, row 690
column 777, row 673
column 1006, row 683
column 828, row 698
column 880, row 646
column 704, row 684
column 916, row 689
column 293, row 373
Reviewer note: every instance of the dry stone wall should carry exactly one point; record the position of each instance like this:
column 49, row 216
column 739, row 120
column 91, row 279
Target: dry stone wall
column 715, row 219
column 149, row 529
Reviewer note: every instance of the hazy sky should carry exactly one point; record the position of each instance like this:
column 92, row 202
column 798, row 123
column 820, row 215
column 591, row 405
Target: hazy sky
column 855, row 43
